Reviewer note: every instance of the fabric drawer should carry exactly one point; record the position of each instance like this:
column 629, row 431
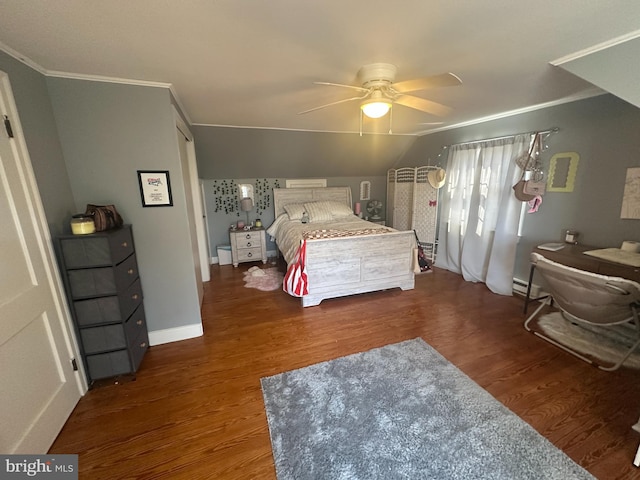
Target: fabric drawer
column 108, row 309
column 138, row 349
column 99, row 250
column 110, row 364
column 249, row 254
column 91, row 282
column 103, row 339
column 135, row 324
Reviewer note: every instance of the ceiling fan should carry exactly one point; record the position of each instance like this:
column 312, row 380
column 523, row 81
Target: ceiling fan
column 379, row 91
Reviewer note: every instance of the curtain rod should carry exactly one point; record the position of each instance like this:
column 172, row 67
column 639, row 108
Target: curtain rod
column 541, row 132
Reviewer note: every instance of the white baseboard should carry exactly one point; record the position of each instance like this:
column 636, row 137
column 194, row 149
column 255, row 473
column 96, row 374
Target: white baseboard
column 175, row 334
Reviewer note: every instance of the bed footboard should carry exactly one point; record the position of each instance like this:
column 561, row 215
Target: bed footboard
column 338, row 267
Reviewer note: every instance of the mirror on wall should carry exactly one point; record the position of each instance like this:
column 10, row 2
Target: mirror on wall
column 562, row 172
column 245, row 190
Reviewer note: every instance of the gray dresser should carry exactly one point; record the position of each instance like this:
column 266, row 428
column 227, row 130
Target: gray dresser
column 100, row 273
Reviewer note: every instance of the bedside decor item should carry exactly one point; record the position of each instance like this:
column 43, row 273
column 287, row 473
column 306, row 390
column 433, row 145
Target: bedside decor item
column 374, row 207
column 246, row 205
column 571, row 236
column 105, row 217
column 245, row 194
column 82, row 224
column 155, row 188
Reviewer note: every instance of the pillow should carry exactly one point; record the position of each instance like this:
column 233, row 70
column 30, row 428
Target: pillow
column 318, row 212
column 338, row 209
column 295, row 211
column 273, row 228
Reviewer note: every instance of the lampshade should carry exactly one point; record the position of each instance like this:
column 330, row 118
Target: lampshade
column 376, row 106
column 246, row 204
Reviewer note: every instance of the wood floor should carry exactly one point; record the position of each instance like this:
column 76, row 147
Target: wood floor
column 195, row 409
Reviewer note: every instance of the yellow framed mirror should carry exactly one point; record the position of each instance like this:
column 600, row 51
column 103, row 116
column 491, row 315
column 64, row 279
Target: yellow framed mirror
column 562, row 172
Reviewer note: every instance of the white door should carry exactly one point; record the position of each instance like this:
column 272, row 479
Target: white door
column 38, row 385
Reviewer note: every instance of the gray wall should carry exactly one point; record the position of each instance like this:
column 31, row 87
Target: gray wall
column 109, row 131
column 602, row 130
column 219, row 218
column 244, row 152
column 40, row 131
column 89, row 151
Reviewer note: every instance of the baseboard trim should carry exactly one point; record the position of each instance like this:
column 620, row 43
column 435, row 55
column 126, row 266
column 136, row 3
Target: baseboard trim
column 175, row 334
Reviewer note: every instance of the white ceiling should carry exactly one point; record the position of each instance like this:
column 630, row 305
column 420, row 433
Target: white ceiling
column 252, row 63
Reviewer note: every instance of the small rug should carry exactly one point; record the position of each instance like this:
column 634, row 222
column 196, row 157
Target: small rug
column 607, row 344
column 265, row 280
column 400, row 412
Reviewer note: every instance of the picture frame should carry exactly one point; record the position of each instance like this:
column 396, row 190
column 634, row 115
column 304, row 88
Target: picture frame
column 155, row 188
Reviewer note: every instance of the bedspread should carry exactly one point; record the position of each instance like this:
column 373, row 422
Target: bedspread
column 288, row 234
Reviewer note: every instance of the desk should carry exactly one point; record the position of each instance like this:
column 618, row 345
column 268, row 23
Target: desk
column 573, row 256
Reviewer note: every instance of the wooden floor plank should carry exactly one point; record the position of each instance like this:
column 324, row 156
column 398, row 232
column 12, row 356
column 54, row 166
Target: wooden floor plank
column 195, row 408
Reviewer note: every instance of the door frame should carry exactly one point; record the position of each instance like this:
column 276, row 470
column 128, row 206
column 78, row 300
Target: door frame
column 196, row 198
column 36, row 437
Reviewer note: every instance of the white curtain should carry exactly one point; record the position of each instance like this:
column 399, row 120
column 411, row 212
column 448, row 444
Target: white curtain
column 480, row 213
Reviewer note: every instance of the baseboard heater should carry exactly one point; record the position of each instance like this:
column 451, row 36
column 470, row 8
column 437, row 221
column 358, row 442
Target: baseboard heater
column 520, row 286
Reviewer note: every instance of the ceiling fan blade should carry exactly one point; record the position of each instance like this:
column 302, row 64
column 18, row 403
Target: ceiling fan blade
column 333, row 103
column 423, row 105
column 342, row 85
column 443, row 80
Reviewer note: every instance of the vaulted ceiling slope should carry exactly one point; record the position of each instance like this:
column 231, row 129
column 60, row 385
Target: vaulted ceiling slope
column 252, row 63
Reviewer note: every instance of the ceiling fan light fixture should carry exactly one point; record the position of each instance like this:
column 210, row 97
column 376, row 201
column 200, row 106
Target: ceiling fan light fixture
column 377, row 105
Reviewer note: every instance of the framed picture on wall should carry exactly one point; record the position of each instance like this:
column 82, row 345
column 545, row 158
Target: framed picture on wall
column 155, row 188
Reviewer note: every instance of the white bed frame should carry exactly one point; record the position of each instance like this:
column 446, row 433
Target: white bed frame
column 337, row 267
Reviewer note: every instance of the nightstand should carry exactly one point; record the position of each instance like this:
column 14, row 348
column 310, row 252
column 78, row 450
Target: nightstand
column 248, row 245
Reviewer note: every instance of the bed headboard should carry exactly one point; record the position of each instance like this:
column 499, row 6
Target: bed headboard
column 286, row 196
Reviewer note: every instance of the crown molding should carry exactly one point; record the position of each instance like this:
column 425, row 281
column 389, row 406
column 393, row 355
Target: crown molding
column 583, row 95
column 22, row 58
column 94, row 78
column 596, row 48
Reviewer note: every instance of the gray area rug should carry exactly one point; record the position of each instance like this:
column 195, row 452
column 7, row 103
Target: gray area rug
column 608, row 344
column 400, row 412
